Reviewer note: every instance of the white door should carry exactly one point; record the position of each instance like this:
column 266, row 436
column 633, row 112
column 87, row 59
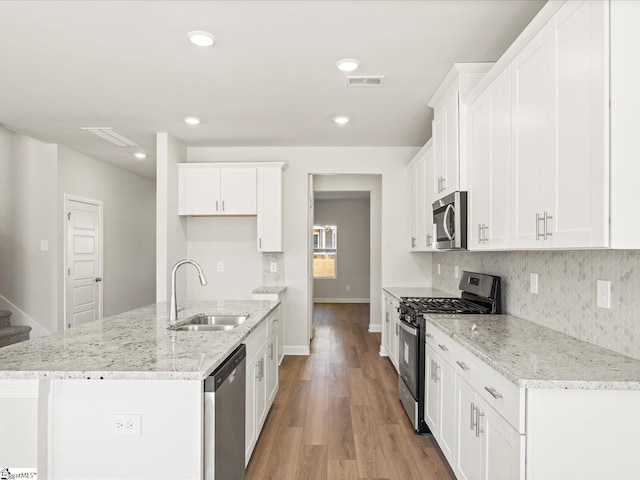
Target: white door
column 503, row 448
column 199, row 190
column 479, row 167
column 447, row 427
column 428, row 196
column 83, row 302
column 469, row 448
column 421, row 233
column 413, row 204
column 439, row 159
column 432, row 391
column 451, row 144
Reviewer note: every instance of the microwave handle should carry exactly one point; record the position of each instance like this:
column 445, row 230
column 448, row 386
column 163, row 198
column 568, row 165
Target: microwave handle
column 445, row 221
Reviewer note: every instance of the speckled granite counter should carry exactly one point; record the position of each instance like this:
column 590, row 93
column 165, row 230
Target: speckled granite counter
column 133, row 345
column 533, row 356
column 269, row 290
column 416, row 292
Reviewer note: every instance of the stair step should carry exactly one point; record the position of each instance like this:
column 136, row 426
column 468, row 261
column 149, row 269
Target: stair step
column 5, row 318
column 13, row 334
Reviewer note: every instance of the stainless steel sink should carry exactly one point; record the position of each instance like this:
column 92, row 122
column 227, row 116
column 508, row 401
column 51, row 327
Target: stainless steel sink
column 214, row 322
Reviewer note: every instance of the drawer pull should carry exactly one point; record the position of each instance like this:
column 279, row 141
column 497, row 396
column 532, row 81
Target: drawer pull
column 472, row 426
column 443, row 347
column 494, row 393
column 428, row 335
column 462, row 365
column 479, row 429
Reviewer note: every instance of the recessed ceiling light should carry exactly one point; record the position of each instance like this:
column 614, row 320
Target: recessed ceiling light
column 140, row 155
column 347, row 64
column 192, row 120
column 201, row 39
column 341, row 120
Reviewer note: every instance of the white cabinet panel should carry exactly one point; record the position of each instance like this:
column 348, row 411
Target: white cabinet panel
column 432, row 392
column 270, row 209
column 238, row 191
column 447, row 428
column 421, row 172
column 478, row 166
column 469, row 446
column 199, row 191
column 504, row 448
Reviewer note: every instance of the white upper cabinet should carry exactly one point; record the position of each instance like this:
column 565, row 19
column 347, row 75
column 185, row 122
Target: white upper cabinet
column 539, row 140
column 270, row 208
column 421, row 216
column 447, row 128
column 208, row 189
column 489, row 166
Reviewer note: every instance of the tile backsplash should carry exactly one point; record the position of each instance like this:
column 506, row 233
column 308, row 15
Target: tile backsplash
column 269, row 278
column 566, row 299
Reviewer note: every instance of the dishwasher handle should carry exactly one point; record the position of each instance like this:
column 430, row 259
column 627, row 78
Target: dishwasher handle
column 226, row 369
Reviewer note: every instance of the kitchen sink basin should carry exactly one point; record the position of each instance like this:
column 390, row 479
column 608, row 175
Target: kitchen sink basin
column 205, row 322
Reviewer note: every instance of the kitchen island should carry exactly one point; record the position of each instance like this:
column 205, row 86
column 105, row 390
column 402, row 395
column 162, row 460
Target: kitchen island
column 117, row 398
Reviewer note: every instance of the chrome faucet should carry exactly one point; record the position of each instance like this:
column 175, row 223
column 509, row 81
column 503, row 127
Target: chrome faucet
column 173, row 312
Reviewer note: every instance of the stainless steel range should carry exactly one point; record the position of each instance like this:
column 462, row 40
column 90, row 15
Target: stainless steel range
column 480, row 295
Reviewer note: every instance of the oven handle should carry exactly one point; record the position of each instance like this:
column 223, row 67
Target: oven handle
column 445, row 220
column 410, row 330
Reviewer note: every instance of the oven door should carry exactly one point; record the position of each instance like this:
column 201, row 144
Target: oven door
column 408, row 356
column 450, row 219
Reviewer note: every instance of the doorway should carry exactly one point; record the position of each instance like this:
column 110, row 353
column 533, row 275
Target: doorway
column 83, row 260
column 348, row 277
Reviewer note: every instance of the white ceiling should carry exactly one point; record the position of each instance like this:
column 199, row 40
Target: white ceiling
column 270, row 80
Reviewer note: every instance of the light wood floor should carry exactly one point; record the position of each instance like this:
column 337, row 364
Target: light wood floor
column 337, row 413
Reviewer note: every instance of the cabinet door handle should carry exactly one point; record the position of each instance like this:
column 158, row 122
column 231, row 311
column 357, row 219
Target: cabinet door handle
column 259, row 242
column 462, row 365
column 428, row 241
column 397, row 329
column 428, row 335
column 546, row 225
column 223, row 205
column 433, row 370
column 413, row 242
column 473, row 417
column 271, row 351
column 494, row 393
column 217, row 206
column 538, row 234
column 443, row 347
column 484, row 233
column 479, row 414
column 479, row 233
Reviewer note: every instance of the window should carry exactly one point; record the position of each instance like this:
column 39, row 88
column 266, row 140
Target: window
column 325, row 245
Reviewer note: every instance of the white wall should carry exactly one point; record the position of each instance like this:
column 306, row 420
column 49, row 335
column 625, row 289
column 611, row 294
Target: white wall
column 28, row 195
column 171, row 229
column 232, row 240
column 129, row 228
column 352, row 220
column 398, row 266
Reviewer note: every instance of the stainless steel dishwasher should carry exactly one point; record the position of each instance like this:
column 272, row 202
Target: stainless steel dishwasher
column 224, row 399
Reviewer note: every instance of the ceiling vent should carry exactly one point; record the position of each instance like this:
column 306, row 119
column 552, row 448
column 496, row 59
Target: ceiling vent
column 365, row 81
column 111, row 135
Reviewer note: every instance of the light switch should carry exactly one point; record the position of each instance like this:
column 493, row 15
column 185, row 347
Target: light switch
column 604, row 293
column 273, row 267
column 44, row 245
column 533, row 283
column 220, row 266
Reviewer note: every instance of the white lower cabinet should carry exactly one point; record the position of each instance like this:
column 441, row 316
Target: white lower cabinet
column 262, row 378
column 488, row 447
column 466, row 407
column 439, row 411
column 391, row 329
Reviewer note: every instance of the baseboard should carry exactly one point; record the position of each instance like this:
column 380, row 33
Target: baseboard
column 375, row 328
column 20, row 318
column 297, row 350
column 383, row 351
column 341, row 300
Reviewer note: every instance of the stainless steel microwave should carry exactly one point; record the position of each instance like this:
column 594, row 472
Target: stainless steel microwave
column 450, row 221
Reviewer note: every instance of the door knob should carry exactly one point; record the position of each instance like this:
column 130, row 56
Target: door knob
column 98, row 279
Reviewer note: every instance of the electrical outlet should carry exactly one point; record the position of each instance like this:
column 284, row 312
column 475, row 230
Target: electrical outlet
column 604, row 294
column 456, row 272
column 44, row 245
column 220, row 266
column 273, row 267
column 533, row 283
column 348, row 288
column 439, row 270
column 124, row 425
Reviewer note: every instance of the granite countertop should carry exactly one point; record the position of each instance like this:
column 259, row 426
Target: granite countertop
column 399, row 292
column 269, row 289
column 533, row 356
column 133, row 345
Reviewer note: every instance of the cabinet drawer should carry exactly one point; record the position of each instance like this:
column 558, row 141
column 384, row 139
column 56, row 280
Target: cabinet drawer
column 256, row 339
column 499, row 392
